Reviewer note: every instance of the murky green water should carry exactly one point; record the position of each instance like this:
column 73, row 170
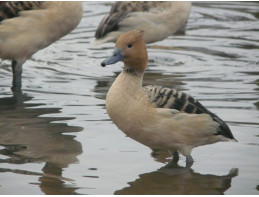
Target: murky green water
column 56, row 137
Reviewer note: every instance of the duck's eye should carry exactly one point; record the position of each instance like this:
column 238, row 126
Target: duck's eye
column 129, row 45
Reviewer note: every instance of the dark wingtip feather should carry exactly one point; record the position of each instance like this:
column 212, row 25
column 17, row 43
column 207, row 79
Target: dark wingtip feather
column 223, row 128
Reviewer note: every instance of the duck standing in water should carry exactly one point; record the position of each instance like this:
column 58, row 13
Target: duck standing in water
column 160, row 118
column 29, row 26
column 159, row 19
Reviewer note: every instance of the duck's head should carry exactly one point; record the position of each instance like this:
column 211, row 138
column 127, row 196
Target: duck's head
column 130, row 48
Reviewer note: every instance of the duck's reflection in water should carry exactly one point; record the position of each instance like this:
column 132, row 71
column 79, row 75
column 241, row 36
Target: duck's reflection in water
column 55, row 186
column 25, row 137
column 175, row 180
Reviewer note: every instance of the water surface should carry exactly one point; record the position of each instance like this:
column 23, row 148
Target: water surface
column 56, row 137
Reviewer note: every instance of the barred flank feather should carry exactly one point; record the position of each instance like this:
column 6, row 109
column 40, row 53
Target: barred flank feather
column 11, row 9
column 170, row 98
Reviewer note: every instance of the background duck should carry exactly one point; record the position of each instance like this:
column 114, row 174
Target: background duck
column 158, row 19
column 160, row 118
column 26, row 27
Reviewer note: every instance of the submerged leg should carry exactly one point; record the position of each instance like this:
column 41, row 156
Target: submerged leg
column 175, row 156
column 17, row 75
column 174, row 161
column 189, row 161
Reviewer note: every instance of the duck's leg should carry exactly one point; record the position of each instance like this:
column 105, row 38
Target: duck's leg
column 17, row 75
column 174, row 161
column 175, row 156
column 189, row 161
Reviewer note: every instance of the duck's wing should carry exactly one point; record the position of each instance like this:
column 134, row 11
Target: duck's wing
column 110, row 21
column 121, row 10
column 175, row 100
column 10, row 9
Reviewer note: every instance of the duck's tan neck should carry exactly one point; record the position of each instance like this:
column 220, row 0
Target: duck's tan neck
column 132, row 70
column 129, row 81
column 126, row 86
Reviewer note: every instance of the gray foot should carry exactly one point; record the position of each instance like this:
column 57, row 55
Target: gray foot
column 189, row 161
column 175, row 156
column 17, row 75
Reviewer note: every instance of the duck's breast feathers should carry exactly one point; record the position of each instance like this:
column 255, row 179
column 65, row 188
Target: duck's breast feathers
column 122, row 10
column 172, row 99
column 10, row 9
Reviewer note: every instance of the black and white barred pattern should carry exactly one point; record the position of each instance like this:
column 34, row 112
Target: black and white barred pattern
column 11, row 9
column 172, row 99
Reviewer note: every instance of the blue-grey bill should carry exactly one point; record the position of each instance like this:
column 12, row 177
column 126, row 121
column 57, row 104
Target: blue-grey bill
column 114, row 58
